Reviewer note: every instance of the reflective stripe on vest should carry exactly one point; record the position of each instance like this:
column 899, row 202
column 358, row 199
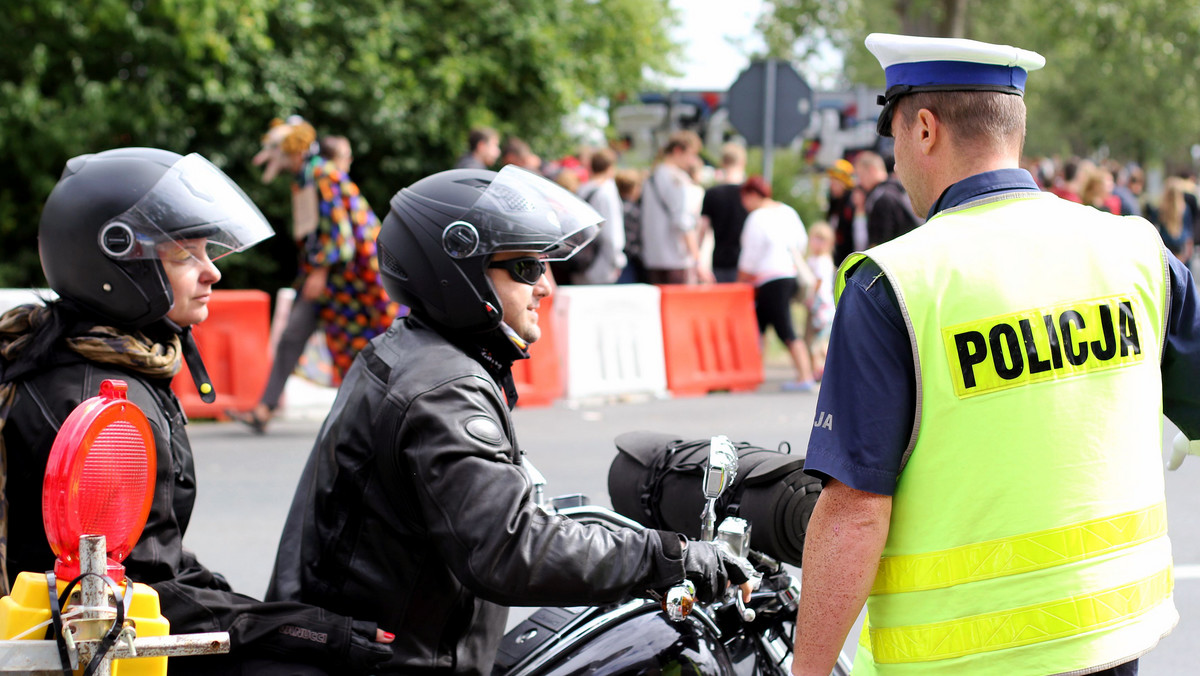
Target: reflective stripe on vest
column 1019, row 553
column 1021, row 626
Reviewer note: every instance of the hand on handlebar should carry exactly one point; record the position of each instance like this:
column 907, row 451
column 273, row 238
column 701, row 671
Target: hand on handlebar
column 711, row 568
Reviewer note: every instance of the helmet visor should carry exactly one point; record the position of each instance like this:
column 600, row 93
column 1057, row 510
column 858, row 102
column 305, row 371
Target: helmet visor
column 521, row 211
column 193, row 201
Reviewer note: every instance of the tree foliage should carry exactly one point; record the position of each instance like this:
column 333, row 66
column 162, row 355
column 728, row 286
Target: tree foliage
column 404, row 81
column 1120, row 75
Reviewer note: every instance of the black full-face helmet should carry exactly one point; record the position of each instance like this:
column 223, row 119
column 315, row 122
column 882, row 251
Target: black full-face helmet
column 436, row 242
column 105, row 224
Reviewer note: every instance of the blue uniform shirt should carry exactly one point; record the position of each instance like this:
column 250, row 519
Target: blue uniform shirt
column 865, row 409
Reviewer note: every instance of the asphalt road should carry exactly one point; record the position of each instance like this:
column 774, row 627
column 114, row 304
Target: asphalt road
column 246, row 481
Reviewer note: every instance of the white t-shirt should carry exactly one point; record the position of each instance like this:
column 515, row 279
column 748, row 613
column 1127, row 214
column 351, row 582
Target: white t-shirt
column 768, row 236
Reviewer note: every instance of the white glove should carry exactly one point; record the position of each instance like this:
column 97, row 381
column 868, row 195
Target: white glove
column 1180, row 450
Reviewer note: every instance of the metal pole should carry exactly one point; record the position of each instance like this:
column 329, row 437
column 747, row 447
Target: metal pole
column 93, row 558
column 769, row 122
column 41, row 658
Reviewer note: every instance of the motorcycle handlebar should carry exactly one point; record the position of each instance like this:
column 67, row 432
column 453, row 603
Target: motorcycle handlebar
column 679, row 600
column 677, row 603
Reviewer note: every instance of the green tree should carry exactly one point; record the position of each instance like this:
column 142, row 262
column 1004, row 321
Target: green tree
column 1119, row 75
column 404, row 81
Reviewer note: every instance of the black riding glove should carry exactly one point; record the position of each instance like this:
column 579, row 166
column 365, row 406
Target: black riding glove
column 364, row 652
column 711, row 569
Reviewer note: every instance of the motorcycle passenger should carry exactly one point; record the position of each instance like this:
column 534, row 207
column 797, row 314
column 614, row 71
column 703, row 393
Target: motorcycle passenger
column 127, row 240
column 414, row 509
column 993, row 400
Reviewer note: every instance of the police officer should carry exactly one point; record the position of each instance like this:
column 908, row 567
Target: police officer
column 127, row 239
column 414, row 508
column 990, row 421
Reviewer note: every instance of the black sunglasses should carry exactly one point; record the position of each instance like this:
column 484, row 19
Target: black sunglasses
column 527, row 269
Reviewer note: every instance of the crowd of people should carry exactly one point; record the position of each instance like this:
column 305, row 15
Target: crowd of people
column 1121, row 188
column 666, row 225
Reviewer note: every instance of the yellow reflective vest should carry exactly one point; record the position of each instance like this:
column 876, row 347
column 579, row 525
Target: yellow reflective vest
column 1028, row 531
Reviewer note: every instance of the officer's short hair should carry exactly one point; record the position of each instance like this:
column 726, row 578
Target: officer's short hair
column 975, row 118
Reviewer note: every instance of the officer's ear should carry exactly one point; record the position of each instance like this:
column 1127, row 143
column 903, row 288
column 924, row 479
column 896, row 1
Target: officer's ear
column 928, row 130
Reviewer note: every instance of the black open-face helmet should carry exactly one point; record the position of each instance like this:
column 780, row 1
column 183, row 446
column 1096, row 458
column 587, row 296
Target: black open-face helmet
column 105, row 224
column 435, row 243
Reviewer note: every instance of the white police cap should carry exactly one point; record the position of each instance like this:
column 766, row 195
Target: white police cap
column 916, row 64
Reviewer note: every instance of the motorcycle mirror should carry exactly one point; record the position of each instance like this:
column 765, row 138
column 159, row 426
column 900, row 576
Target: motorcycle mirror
column 722, row 466
column 719, row 473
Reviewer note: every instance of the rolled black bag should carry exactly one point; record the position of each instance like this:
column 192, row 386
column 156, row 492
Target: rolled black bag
column 657, row 480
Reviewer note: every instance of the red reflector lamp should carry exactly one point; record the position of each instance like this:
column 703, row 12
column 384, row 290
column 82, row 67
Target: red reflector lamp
column 99, row 480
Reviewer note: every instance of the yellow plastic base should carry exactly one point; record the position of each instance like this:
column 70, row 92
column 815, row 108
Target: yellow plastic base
column 29, row 606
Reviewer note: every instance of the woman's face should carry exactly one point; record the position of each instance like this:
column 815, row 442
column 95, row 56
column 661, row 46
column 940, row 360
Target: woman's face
column 192, row 275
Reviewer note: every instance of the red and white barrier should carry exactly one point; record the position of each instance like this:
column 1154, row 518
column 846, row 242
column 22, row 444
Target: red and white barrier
column 603, row 341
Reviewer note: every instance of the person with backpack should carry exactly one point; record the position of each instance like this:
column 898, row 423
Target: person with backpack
column 602, row 261
column 670, row 248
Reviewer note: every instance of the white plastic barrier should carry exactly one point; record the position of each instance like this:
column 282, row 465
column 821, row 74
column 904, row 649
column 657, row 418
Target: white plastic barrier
column 11, row 298
column 614, row 343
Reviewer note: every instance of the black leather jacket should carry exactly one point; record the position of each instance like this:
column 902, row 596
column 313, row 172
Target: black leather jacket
column 192, row 598
column 414, row 512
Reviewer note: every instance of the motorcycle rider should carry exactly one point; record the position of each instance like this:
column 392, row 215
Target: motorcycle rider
column 414, row 509
column 127, row 240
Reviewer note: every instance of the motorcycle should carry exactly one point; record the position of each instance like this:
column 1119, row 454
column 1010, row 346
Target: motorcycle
column 674, row 633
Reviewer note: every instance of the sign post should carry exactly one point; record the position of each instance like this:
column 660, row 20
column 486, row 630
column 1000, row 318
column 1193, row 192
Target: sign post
column 769, row 104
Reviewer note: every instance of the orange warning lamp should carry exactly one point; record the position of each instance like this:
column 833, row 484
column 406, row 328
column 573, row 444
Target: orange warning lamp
column 99, row 480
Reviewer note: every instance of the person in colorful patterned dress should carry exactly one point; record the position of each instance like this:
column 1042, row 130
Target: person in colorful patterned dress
column 338, row 289
column 355, row 308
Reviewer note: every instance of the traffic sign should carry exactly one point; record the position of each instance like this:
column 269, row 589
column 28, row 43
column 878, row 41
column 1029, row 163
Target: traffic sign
column 749, row 96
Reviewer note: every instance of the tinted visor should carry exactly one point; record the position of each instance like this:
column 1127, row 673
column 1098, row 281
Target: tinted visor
column 521, row 211
column 194, row 200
